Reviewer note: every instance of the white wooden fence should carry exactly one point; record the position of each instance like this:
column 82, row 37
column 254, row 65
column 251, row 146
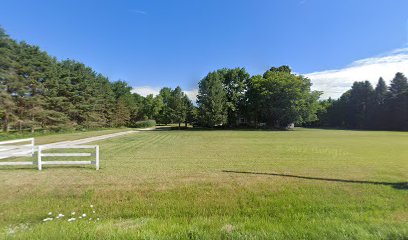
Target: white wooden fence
column 15, row 148
column 42, row 155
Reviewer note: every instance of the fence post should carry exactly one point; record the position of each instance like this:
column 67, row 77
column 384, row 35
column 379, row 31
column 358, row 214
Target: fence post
column 32, row 147
column 39, row 158
column 97, row 156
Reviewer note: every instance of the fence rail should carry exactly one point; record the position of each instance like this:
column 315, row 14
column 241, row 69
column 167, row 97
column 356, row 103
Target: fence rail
column 9, row 149
column 41, row 155
column 16, row 148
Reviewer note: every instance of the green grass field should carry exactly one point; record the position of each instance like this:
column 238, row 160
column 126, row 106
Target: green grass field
column 302, row 184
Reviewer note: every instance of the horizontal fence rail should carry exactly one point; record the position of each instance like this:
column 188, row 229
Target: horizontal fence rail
column 41, row 155
column 26, row 148
column 18, row 141
column 15, row 148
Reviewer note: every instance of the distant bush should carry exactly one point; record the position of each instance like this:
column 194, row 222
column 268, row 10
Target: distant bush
column 145, row 124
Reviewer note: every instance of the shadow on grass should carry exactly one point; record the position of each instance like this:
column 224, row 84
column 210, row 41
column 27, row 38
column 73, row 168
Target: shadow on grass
column 396, row 185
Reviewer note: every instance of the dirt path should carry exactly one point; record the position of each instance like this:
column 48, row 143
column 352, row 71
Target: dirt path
column 97, row 138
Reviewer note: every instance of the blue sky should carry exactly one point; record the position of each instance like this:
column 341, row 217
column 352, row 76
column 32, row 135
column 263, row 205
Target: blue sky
column 151, row 43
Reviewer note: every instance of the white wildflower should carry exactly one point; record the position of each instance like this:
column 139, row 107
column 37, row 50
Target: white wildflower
column 50, row 213
column 93, row 211
column 47, row 219
column 71, row 219
column 11, row 231
column 91, row 206
column 73, row 213
column 84, row 215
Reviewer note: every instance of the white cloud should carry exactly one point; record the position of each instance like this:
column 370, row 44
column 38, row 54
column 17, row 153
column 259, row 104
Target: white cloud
column 138, row 11
column 192, row 94
column 335, row 82
column 146, row 90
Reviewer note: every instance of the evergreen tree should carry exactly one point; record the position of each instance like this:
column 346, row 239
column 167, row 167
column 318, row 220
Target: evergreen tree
column 122, row 114
column 361, row 99
column 380, row 91
column 398, row 85
column 397, row 103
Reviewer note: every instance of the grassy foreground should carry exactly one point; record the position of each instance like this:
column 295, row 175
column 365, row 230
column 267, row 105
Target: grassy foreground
column 302, row 184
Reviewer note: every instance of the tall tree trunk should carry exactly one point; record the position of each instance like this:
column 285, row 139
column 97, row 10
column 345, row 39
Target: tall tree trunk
column 6, row 122
column 179, row 125
column 32, row 125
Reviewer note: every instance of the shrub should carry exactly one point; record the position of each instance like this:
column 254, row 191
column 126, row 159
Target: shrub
column 145, row 124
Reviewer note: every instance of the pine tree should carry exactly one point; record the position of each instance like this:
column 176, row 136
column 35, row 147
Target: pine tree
column 380, row 91
column 397, row 103
column 7, row 110
column 398, row 85
column 122, row 114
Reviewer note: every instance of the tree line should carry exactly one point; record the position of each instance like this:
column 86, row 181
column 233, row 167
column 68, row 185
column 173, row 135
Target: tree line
column 276, row 99
column 38, row 92
column 365, row 107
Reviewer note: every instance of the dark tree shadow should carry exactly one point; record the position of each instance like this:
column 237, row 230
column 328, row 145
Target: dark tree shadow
column 396, row 185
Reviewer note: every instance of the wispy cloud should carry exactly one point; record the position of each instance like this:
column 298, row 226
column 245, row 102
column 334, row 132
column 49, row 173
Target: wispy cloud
column 146, row 90
column 136, row 11
column 335, row 82
column 302, row 2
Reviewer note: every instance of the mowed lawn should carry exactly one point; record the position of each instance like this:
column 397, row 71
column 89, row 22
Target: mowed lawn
column 301, row 184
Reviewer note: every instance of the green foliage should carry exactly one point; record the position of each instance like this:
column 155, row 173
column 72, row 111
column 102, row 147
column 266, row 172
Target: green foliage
column 152, row 106
column 176, row 107
column 399, row 85
column 281, row 98
column 278, row 98
column 211, row 101
column 380, row 91
column 235, row 82
column 122, row 114
column 37, row 92
column 363, row 107
column 144, row 124
column 166, row 114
